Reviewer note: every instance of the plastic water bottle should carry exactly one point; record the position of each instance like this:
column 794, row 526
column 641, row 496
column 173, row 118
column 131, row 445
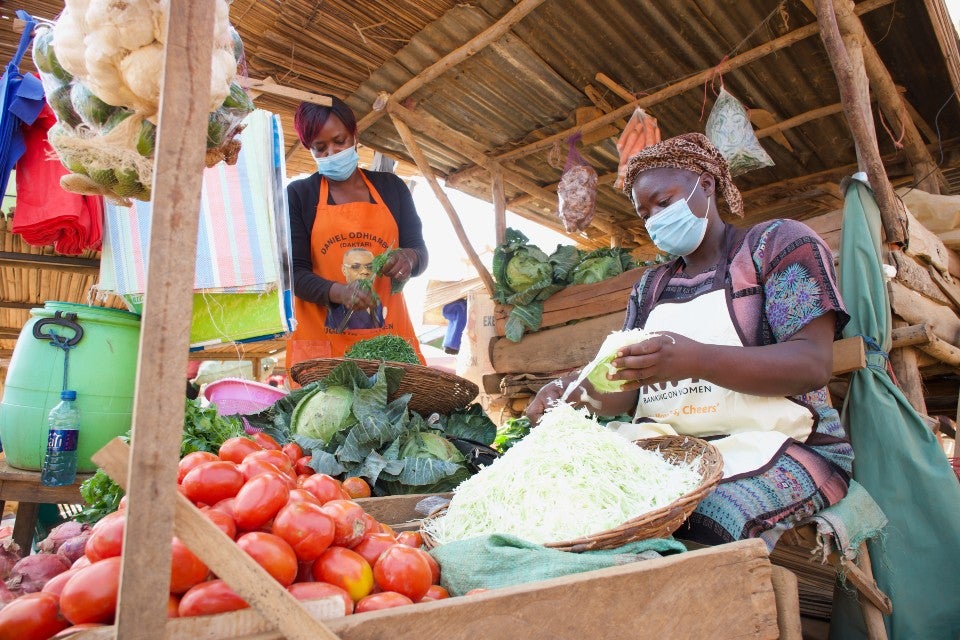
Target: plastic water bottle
column 60, row 462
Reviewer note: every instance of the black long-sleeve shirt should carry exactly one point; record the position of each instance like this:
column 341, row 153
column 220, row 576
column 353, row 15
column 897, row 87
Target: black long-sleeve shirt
column 302, row 198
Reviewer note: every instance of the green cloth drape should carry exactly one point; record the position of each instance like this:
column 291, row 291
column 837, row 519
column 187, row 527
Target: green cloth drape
column 899, row 461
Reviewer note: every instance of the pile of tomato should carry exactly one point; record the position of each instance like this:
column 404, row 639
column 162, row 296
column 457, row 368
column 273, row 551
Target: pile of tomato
column 302, row 527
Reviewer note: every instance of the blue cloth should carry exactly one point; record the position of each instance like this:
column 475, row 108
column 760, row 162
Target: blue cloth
column 844, row 526
column 898, row 459
column 21, row 100
column 456, row 314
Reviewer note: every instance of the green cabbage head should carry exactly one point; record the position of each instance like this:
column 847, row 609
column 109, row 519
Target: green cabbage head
column 527, row 267
column 324, row 413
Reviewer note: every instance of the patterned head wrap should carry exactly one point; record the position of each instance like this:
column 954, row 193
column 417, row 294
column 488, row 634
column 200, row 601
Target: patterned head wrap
column 693, row 152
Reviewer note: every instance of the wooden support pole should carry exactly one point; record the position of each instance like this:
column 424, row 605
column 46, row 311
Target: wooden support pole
column 455, row 57
column 424, row 166
column 890, row 101
column 907, row 372
column 614, row 86
column 846, row 57
column 499, row 205
column 165, row 328
column 244, row 575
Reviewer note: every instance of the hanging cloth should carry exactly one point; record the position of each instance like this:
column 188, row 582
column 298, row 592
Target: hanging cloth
column 21, row 99
column 46, row 213
column 344, row 240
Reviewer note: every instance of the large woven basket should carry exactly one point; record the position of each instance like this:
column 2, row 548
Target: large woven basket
column 432, row 390
column 654, row 524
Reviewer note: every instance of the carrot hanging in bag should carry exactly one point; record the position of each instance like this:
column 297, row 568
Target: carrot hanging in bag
column 641, row 132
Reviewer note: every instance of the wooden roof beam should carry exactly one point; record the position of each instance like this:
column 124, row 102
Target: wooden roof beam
column 452, row 59
column 947, row 37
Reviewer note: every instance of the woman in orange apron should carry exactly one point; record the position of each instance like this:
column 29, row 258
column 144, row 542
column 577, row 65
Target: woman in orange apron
column 746, row 319
column 340, row 218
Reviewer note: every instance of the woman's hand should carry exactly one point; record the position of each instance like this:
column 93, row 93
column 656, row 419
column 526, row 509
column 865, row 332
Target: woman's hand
column 545, row 398
column 400, row 265
column 352, row 296
column 664, row 357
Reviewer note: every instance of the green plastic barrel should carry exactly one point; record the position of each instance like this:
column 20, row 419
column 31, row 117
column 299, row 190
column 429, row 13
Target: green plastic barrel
column 102, row 369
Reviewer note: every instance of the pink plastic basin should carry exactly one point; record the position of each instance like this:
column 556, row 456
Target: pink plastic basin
column 234, row 396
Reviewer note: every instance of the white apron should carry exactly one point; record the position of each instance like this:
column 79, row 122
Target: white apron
column 757, row 428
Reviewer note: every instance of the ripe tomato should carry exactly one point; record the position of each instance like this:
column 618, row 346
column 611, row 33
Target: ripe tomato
column 55, row 584
column 385, row 528
column 302, row 466
column 356, row 487
column 348, row 516
column 252, row 467
column 70, row 631
column 192, row 460
column 81, row 562
column 213, row 596
column 346, row 569
column 276, row 458
column 223, row 520
column 306, row 528
column 410, row 538
column 123, row 503
column 434, row 568
column 382, row 600
column 227, row 507
column 474, row 592
column 302, row 495
column 265, row 441
column 173, row 606
column 236, row 449
column 259, row 500
column 33, row 616
column 186, row 569
column 373, row 544
column 435, row 592
column 405, row 570
column 293, row 451
column 91, row 594
column 324, row 487
column 318, row 590
column 211, row 482
column 106, row 537
column 271, row 552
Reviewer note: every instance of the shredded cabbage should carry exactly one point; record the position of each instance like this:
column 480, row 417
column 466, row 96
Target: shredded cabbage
column 569, row 478
column 598, row 368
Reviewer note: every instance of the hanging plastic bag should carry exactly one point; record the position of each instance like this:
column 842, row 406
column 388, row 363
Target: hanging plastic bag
column 641, row 132
column 730, row 131
column 577, row 190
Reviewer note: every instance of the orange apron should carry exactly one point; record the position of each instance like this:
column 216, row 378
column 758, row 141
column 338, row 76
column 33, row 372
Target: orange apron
column 338, row 228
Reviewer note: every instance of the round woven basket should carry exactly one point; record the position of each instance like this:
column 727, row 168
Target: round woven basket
column 654, row 524
column 432, row 390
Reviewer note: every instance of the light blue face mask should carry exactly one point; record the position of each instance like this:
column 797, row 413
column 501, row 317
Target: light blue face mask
column 675, row 229
column 340, row 165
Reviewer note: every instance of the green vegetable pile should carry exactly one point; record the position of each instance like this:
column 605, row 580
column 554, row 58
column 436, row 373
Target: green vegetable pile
column 526, row 276
column 348, row 426
column 511, row 432
column 396, row 286
column 387, row 347
column 203, row 430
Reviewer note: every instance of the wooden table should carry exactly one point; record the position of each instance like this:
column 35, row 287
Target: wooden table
column 25, row 488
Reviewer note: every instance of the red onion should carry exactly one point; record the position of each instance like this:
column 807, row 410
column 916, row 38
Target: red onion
column 60, row 534
column 31, row 573
column 6, row 595
column 9, row 556
column 73, row 548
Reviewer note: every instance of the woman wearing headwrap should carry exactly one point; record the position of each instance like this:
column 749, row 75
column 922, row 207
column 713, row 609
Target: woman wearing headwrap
column 745, row 320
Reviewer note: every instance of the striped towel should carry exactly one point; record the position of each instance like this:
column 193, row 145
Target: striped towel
column 239, row 242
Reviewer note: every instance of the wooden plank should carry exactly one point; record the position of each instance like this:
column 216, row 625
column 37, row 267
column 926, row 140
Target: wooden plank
column 916, row 309
column 946, row 33
column 826, row 222
column 24, row 486
column 788, row 603
column 947, row 285
column 574, row 295
column 499, row 199
column 911, row 335
column 25, row 526
column 732, row 583
column 927, row 246
column 556, row 349
column 917, row 277
column 395, row 509
column 452, row 59
column 61, row 264
column 849, row 355
column 906, row 368
column 589, row 308
column 223, row 556
column 165, row 328
column 614, row 86
column 267, row 85
column 427, row 172
column 492, row 382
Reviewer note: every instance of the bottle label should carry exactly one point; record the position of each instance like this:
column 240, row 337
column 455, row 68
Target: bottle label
column 62, row 440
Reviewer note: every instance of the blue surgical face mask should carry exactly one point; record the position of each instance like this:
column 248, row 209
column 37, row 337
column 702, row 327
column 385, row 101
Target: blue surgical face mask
column 340, row 165
column 675, row 229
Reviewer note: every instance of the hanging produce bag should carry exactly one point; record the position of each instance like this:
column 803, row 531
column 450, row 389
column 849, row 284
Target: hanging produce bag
column 101, row 65
column 577, row 191
column 641, row 132
column 730, row 131
column 243, row 282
